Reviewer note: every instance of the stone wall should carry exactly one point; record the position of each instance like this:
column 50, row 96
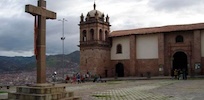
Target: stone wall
column 148, row 65
column 171, row 47
column 126, row 65
column 95, row 61
column 143, row 66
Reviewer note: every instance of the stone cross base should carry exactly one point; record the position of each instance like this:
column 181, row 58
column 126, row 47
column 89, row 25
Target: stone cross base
column 42, row 92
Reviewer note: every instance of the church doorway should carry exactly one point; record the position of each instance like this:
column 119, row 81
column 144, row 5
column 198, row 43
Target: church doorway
column 119, row 70
column 180, row 61
column 106, row 73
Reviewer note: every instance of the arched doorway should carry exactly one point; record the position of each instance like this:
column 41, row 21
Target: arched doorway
column 119, row 70
column 180, row 61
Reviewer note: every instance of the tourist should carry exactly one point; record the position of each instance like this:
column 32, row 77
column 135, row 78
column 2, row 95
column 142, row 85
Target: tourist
column 67, row 79
column 87, row 77
column 99, row 78
column 78, row 78
column 73, row 79
column 83, row 78
column 95, row 78
column 178, row 73
column 175, row 73
column 184, row 74
column 172, row 74
column 54, row 78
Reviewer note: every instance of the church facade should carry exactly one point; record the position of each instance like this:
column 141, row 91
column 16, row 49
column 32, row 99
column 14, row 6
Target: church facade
column 139, row 52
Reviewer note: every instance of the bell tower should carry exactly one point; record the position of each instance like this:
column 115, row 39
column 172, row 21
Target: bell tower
column 94, row 43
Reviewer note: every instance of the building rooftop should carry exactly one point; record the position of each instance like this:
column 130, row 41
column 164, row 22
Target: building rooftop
column 162, row 29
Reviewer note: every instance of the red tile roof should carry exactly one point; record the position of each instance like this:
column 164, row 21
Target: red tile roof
column 161, row 29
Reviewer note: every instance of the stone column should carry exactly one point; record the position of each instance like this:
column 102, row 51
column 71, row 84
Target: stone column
column 133, row 68
column 81, row 35
column 88, row 33
column 202, row 50
column 161, row 68
column 196, row 50
column 96, row 32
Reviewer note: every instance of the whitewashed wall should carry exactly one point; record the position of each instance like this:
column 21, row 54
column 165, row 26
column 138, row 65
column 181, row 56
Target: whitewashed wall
column 202, row 43
column 125, row 42
column 147, row 46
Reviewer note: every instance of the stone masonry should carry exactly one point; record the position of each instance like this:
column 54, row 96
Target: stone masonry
column 96, row 43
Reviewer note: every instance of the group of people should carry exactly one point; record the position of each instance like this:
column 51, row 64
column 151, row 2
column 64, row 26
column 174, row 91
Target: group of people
column 98, row 78
column 77, row 78
column 179, row 73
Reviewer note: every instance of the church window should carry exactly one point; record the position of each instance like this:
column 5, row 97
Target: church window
column 179, row 38
column 119, row 49
column 92, row 34
column 100, row 35
column 84, row 36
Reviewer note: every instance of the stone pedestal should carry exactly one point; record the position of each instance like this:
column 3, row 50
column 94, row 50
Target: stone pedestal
column 42, row 92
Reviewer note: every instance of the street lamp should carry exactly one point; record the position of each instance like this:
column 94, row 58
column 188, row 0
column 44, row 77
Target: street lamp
column 62, row 38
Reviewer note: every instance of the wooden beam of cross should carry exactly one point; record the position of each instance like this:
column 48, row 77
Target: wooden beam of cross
column 42, row 14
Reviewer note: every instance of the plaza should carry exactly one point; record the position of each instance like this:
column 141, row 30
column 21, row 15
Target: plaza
column 152, row 89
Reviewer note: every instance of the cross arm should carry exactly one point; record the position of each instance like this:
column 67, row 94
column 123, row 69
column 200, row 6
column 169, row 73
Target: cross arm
column 40, row 11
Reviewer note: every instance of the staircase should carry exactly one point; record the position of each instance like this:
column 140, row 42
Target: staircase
column 42, row 92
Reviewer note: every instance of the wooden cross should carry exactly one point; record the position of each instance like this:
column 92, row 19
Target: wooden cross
column 42, row 14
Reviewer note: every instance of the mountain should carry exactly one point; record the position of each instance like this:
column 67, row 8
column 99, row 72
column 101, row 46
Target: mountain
column 56, row 60
column 15, row 63
column 29, row 63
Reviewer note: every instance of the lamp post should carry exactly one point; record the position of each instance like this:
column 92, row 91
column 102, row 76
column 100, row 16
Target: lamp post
column 62, row 38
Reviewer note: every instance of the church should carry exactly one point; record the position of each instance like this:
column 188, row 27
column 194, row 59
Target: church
column 154, row 51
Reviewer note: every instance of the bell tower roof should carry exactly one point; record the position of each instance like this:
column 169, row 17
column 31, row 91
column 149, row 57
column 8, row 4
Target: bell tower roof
column 95, row 12
column 94, row 16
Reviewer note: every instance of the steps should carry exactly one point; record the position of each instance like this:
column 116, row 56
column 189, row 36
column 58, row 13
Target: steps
column 42, row 92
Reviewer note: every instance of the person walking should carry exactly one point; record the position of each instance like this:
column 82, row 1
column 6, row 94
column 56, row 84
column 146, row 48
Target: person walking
column 73, row 79
column 184, row 74
column 78, row 78
column 175, row 73
column 67, row 79
column 54, row 78
column 178, row 73
column 172, row 74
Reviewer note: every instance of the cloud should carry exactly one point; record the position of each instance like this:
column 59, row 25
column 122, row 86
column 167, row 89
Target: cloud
column 14, row 35
column 174, row 5
column 16, row 53
column 16, row 28
column 54, row 34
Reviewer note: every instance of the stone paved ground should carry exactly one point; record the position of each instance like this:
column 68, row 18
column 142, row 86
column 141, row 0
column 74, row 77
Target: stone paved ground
column 140, row 90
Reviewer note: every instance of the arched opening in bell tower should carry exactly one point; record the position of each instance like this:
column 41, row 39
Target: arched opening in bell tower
column 106, row 35
column 84, row 36
column 92, row 34
column 100, row 35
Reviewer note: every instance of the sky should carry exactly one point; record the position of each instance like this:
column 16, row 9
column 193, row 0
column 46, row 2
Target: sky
column 16, row 26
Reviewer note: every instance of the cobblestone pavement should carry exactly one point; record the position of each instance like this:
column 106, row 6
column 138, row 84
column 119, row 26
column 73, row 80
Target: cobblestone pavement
column 141, row 90
column 165, row 89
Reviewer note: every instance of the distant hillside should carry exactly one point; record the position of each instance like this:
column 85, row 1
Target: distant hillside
column 15, row 63
column 29, row 63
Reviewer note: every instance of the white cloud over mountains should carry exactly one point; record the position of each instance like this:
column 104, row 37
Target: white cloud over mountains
column 16, row 28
